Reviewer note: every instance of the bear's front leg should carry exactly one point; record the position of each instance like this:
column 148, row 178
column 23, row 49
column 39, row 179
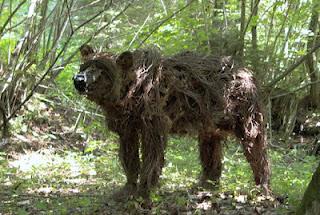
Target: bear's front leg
column 154, row 140
column 129, row 158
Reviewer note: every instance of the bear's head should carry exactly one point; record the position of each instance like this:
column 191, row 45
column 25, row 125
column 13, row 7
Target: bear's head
column 100, row 75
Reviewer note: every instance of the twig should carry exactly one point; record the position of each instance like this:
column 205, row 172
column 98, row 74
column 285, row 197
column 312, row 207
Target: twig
column 69, row 16
column 10, row 17
column 95, row 34
column 71, row 56
column 90, row 5
column 75, row 127
column 89, row 20
column 58, row 56
column 164, row 21
column 111, row 21
column 136, row 34
column 293, row 67
column 276, row 146
column 14, row 26
column 250, row 18
column 51, row 102
column 1, row 7
column 164, row 7
column 33, row 41
column 40, row 80
column 81, row 111
column 295, row 90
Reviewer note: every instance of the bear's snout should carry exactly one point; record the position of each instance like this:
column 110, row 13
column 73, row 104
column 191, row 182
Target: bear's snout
column 79, row 81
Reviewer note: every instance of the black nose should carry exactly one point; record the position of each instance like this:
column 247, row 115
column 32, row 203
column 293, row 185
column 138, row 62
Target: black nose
column 79, row 82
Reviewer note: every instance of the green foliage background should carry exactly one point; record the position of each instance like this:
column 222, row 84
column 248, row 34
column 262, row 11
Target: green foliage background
column 206, row 26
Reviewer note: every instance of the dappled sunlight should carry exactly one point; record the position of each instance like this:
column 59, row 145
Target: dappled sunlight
column 46, row 165
column 92, row 178
column 33, row 162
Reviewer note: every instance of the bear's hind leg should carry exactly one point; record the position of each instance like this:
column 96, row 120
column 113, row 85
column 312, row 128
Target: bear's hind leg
column 210, row 147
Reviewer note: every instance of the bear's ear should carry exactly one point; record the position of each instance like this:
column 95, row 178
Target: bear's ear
column 125, row 60
column 85, row 51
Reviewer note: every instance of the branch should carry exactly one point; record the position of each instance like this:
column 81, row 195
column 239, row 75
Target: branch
column 40, row 80
column 293, row 67
column 164, row 21
column 111, row 21
column 93, row 17
column 90, row 5
column 69, row 16
column 14, row 26
column 250, row 18
column 1, row 6
column 96, row 33
column 10, row 17
column 295, row 90
column 136, row 34
column 56, row 59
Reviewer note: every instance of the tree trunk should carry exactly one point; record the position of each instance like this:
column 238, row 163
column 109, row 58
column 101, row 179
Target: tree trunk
column 310, row 204
column 310, row 63
column 242, row 27
column 254, row 39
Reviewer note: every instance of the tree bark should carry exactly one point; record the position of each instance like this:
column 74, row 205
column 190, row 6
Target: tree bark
column 311, row 60
column 311, row 200
column 242, row 27
column 254, row 39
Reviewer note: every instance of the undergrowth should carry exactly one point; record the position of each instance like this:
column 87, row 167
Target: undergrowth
column 74, row 182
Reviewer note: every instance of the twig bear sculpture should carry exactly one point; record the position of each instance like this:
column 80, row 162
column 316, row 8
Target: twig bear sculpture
column 146, row 96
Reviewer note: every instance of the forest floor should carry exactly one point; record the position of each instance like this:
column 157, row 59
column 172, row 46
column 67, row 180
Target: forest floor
column 52, row 166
